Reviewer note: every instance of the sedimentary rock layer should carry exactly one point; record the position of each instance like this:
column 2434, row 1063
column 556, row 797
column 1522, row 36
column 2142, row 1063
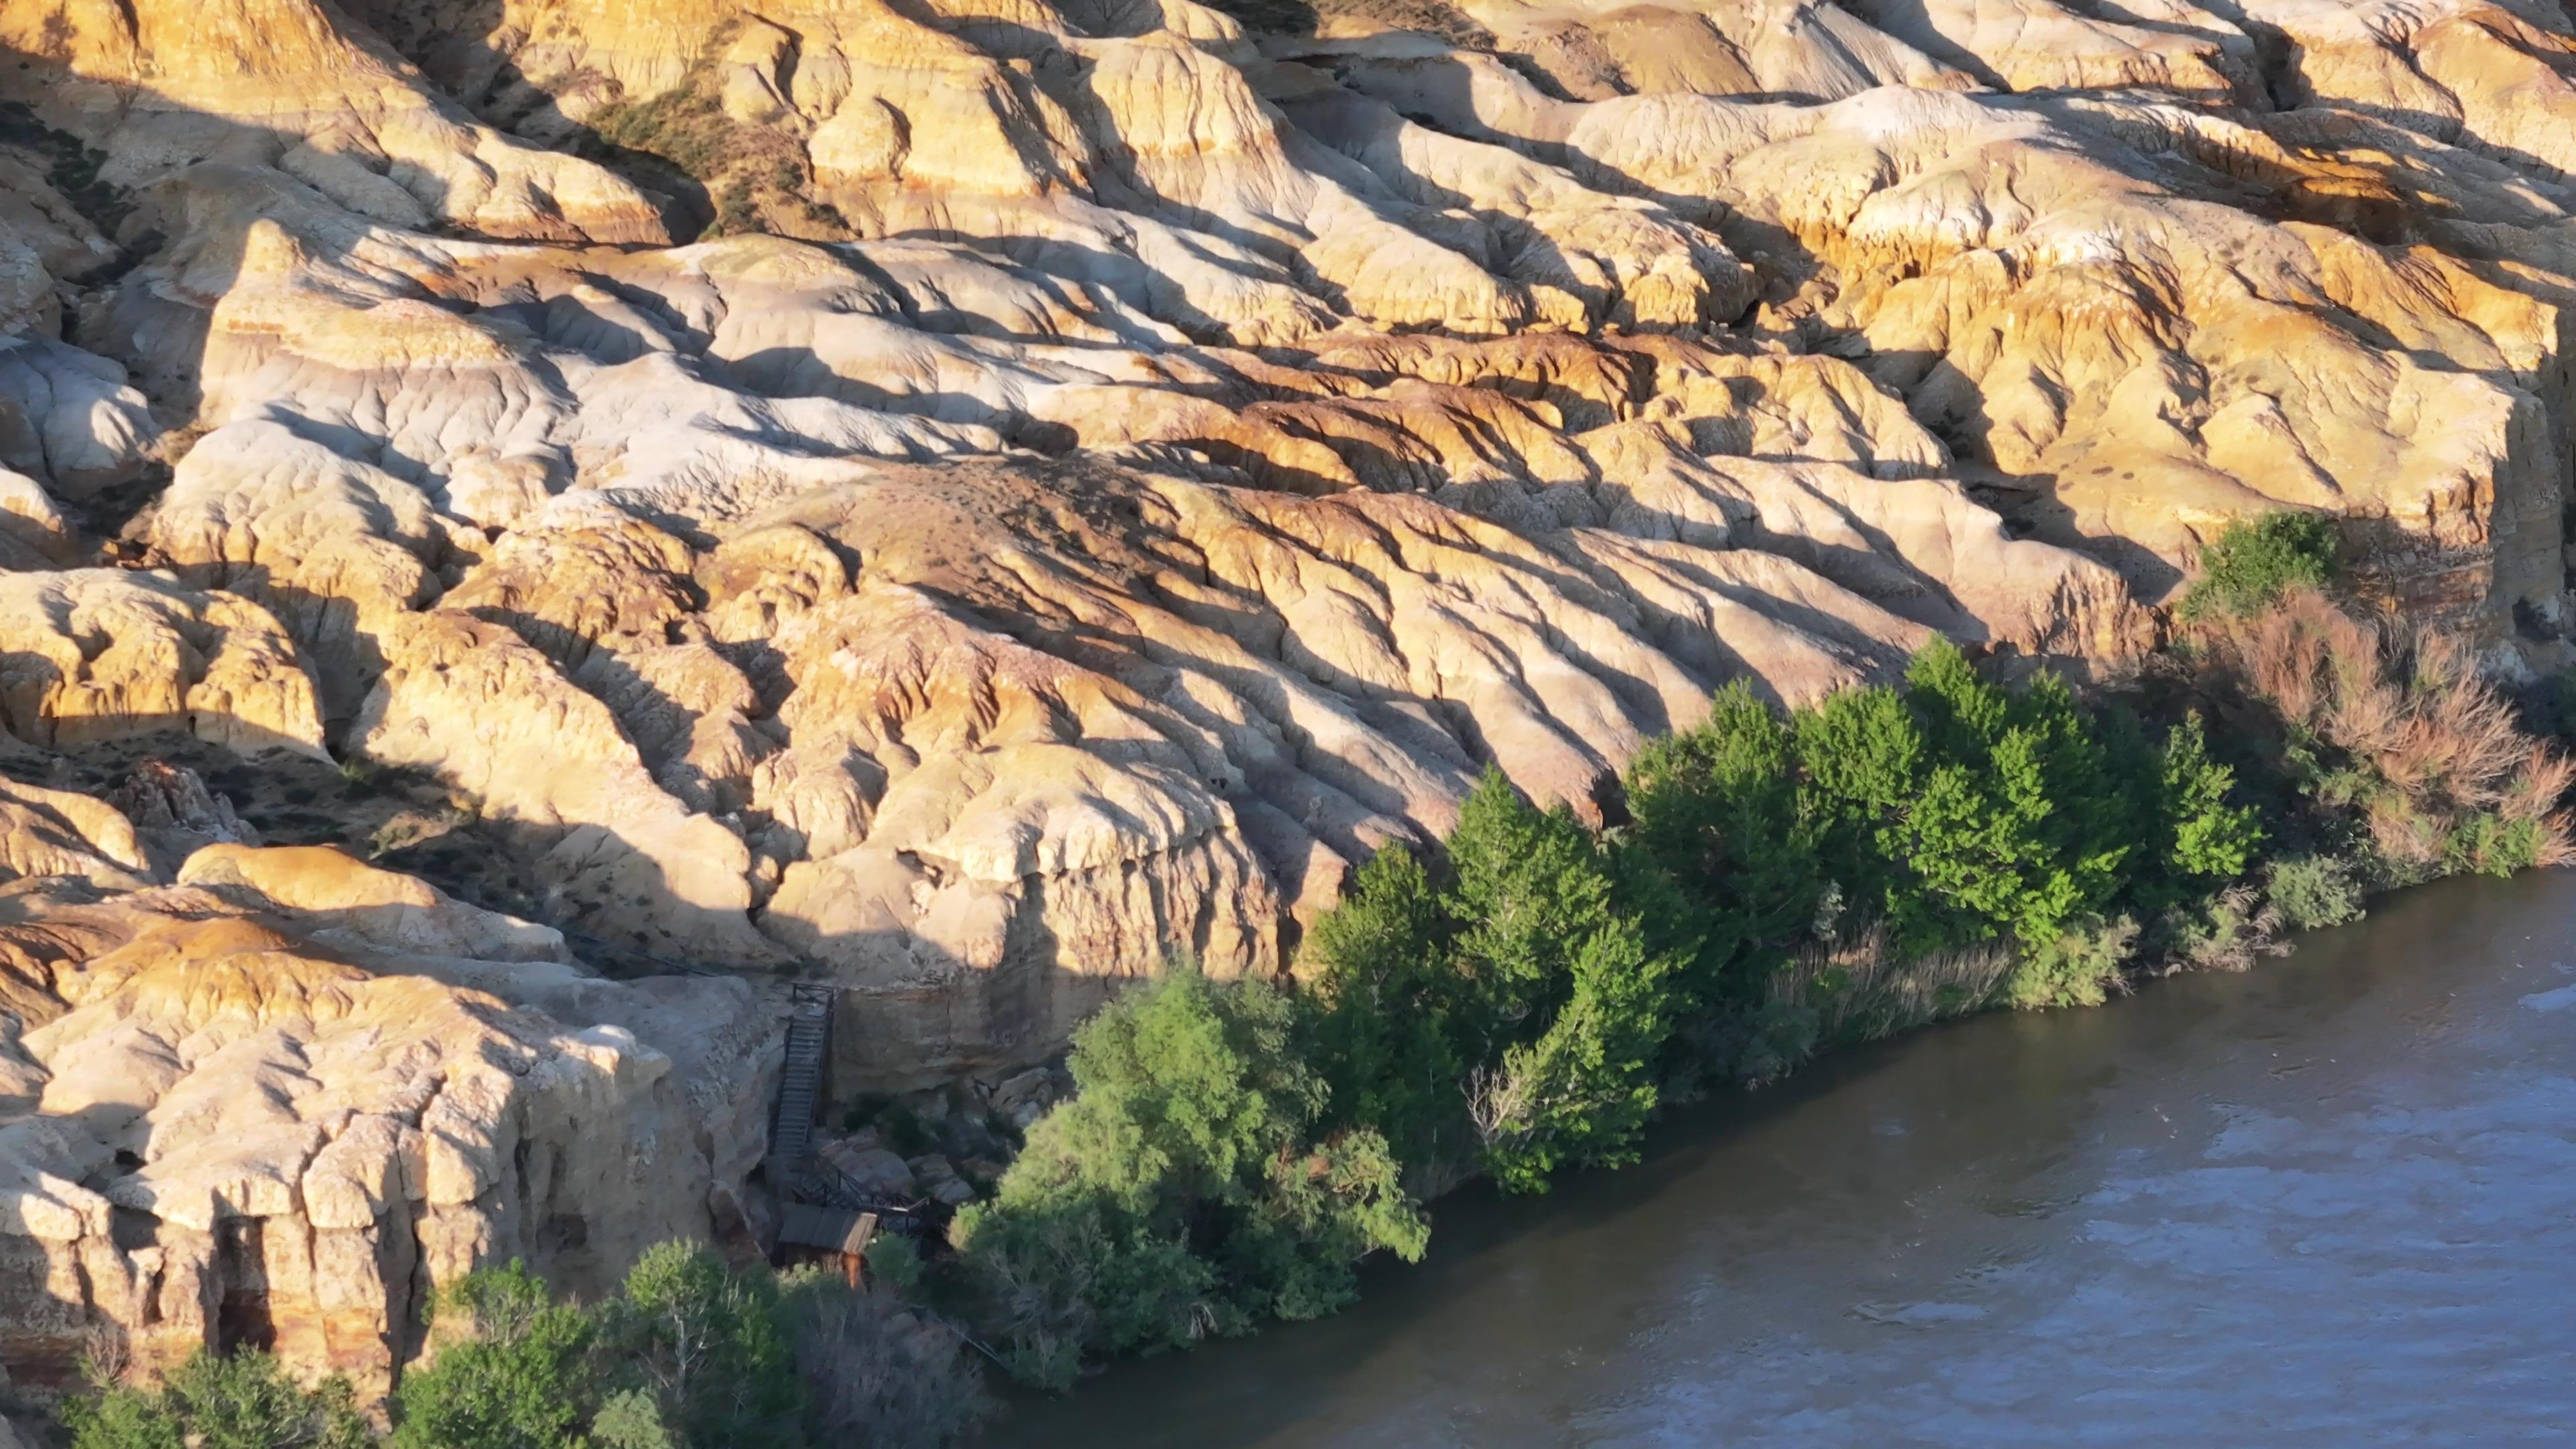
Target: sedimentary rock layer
column 965, row 499
column 283, row 1100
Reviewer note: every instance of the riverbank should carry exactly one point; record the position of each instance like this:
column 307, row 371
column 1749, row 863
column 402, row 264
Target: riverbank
column 1772, row 885
column 2318, row 1199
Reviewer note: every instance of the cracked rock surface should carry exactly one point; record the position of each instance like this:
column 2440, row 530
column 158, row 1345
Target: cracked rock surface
column 623, row 503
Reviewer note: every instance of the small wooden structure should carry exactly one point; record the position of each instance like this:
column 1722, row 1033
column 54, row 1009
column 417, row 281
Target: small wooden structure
column 834, row 1237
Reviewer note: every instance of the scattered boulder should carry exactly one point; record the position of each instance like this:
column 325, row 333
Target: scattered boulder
column 871, row 1171
column 940, row 1180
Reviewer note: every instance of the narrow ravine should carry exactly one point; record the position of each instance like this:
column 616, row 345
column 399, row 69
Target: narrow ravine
column 2328, row 1202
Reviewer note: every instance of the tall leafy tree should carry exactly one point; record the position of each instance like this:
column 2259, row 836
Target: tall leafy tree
column 712, row 1345
column 1715, row 808
column 1386, row 988
column 1570, row 1001
column 1529, row 888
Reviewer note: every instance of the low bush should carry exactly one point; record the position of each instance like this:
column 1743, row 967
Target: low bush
column 241, row 1401
column 2254, row 562
column 1853, row 987
column 2079, row 966
column 2395, row 729
column 2230, row 931
column 2313, row 891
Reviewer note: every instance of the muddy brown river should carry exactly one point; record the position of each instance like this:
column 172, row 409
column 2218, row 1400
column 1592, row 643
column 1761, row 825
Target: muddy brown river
column 2331, row 1202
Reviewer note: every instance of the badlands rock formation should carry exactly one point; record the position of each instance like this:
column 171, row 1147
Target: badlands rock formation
column 961, row 499
column 280, row 1101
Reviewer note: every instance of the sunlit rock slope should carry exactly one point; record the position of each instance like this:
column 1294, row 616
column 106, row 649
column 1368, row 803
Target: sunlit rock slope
column 965, row 498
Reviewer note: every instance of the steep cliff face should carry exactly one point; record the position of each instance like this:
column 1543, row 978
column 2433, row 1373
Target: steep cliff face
column 282, row 1101
column 966, row 499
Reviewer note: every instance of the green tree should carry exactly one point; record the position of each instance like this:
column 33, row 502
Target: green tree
column 238, row 1401
column 1715, row 807
column 1862, row 759
column 1182, row 1192
column 630, row 1419
column 514, row 1372
column 712, row 1345
column 1583, row 1091
column 1386, row 989
column 1571, row 1002
column 2206, row 839
column 1530, row 888
column 2015, row 831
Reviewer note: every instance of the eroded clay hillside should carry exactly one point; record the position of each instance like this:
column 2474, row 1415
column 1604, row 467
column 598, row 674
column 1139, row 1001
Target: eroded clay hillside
column 962, row 498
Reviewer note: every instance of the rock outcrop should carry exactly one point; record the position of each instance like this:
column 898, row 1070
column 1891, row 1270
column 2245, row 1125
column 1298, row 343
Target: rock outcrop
column 963, row 500
column 283, row 1101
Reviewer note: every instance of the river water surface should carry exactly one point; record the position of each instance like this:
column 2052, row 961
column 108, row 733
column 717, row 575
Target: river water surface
column 2330, row 1202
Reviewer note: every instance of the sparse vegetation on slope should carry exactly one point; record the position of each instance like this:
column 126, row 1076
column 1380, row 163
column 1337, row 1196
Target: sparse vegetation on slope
column 755, row 176
column 691, row 1354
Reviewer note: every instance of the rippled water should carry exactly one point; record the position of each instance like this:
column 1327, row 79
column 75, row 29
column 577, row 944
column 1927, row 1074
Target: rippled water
column 2331, row 1202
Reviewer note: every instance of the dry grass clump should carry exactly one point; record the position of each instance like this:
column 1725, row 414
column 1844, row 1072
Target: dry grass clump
column 2396, row 724
column 2228, row 932
column 1857, row 987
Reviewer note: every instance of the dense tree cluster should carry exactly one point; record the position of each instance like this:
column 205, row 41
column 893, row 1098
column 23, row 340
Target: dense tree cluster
column 1523, row 1001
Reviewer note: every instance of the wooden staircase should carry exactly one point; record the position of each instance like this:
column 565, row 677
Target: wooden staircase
column 800, row 1082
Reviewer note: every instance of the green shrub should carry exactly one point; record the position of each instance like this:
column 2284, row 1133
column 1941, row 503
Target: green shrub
column 2488, row 843
column 2227, row 931
column 894, row 1264
column 631, row 1419
column 2079, row 966
column 241, row 1401
column 2203, row 837
column 2313, row 891
column 1182, row 1191
column 2252, row 563
column 122, row 1417
column 512, row 1370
